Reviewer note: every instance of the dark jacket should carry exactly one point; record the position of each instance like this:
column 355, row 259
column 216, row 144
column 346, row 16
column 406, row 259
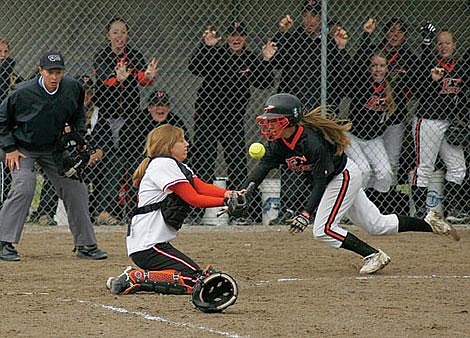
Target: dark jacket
column 299, row 59
column 119, row 99
column 8, row 78
column 33, row 119
column 133, row 145
column 444, row 99
column 227, row 79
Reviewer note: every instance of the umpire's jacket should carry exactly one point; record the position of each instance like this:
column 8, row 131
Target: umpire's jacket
column 33, row 119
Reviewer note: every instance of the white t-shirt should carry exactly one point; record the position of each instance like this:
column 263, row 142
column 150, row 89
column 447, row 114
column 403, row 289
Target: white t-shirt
column 149, row 229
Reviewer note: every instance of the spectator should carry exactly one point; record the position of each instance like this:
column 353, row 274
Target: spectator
column 443, row 99
column 228, row 71
column 403, row 74
column 8, row 78
column 299, row 60
column 374, row 107
column 48, row 200
column 120, row 72
column 157, row 113
column 8, row 81
column 161, row 176
column 32, row 118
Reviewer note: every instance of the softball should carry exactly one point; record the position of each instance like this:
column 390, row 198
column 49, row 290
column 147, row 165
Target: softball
column 257, row 151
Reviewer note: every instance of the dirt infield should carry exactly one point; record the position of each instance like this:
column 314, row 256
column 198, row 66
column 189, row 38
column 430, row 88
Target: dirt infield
column 290, row 286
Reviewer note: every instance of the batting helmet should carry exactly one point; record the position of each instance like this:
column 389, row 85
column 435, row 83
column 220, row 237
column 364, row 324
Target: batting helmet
column 280, row 111
column 215, row 293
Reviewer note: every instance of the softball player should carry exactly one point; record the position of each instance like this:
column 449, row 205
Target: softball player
column 166, row 188
column 445, row 82
column 314, row 147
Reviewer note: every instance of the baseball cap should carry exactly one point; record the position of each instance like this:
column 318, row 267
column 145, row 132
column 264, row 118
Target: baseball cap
column 86, row 81
column 313, row 6
column 52, row 60
column 236, row 27
column 159, row 98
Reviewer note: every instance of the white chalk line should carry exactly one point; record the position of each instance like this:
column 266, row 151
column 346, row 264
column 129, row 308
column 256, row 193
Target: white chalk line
column 286, row 280
column 156, row 318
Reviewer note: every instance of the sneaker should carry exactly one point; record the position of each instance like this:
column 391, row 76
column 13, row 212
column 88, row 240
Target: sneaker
column 241, row 221
column 282, row 218
column 457, row 217
column 8, row 252
column 374, row 262
column 90, row 252
column 440, row 226
column 117, row 285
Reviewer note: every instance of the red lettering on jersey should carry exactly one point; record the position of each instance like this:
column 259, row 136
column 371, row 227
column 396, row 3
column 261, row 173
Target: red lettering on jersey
column 376, row 103
column 451, row 86
column 298, row 164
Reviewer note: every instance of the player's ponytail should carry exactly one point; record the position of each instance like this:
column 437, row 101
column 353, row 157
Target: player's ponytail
column 160, row 141
column 333, row 129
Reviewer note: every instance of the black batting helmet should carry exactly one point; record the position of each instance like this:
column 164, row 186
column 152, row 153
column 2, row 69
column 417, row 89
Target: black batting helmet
column 280, row 111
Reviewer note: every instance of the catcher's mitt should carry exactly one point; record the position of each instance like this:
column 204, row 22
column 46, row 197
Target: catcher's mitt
column 458, row 133
column 215, row 293
column 73, row 155
column 236, row 204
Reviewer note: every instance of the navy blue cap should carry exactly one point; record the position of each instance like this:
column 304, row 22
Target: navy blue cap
column 52, row 60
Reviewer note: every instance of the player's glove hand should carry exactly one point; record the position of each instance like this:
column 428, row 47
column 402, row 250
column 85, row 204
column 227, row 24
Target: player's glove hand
column 235, row 204
column 427, row 33
column 299, row 223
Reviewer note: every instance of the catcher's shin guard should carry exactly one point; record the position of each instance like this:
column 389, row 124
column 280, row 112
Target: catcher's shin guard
column 163, row 281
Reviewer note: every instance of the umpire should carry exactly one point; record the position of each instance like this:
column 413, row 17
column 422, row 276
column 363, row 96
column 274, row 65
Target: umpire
column 32, row 118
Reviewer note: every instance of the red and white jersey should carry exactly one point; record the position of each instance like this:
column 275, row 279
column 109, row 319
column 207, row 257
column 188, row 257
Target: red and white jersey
column 150, row 228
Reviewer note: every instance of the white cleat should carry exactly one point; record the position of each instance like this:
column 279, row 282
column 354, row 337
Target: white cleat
column 440, row 226
column 374, row 262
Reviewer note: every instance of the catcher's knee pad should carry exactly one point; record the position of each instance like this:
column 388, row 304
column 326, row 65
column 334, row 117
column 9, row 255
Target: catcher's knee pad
column 214, row 292
column 163, row 281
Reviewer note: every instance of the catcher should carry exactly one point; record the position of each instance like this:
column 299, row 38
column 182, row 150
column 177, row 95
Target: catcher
column 167, row 189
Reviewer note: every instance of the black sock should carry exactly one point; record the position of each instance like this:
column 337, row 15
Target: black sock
column 406, row 223
column 354, row 244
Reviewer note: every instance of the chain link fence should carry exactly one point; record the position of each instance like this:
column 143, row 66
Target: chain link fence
column 400, row 109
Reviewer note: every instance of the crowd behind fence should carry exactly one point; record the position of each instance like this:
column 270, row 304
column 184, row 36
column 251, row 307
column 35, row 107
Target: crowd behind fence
column 397, row 69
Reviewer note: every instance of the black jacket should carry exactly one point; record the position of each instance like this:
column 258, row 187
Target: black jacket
column 118, row 99
column 299, row 59
column 134, row 136
column 227, row 79
column 33, row 119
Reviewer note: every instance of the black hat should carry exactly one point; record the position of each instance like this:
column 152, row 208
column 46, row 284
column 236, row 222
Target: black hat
column 86, row 81
column 159, row 98
column 52, row 60
column 313, row 6
column 236, row 27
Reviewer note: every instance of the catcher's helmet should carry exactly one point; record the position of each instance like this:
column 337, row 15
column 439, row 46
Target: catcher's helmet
column 215, row 293
column 280, row 111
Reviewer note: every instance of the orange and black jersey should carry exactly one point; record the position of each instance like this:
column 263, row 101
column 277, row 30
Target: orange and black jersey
column 307, row 153
column 445, row 99
column 119, row 99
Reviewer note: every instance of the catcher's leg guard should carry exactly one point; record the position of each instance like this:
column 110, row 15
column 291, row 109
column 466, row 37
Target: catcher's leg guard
column 134, row 280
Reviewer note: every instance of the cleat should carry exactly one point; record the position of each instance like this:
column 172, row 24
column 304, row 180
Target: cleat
column 374, row 262
column 117, row 285
column 440, row 226
column 90, row 252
